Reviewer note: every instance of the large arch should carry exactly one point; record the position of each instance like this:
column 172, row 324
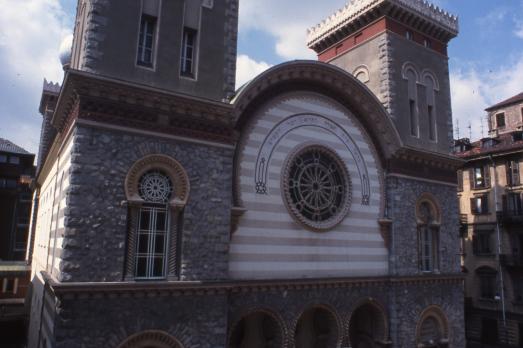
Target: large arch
column 368, row 325
column 151, row 339
column 318, row 326
column 326, row 79
column 432, row 329
column 257, row 328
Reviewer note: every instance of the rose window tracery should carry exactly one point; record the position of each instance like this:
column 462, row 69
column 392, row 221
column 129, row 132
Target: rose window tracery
column 317, row 187
column 155, row 187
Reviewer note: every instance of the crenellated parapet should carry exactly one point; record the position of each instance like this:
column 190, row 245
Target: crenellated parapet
column 420, row 14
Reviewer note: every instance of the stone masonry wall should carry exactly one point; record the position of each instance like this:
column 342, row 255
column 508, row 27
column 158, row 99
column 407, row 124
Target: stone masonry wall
column 195, row 321
column 94, row 244
column 402, row 195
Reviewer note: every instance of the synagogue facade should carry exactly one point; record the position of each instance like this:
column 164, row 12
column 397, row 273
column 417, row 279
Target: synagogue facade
column 315, row 206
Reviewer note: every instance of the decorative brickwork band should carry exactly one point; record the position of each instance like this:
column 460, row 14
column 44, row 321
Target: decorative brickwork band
column 157, row 339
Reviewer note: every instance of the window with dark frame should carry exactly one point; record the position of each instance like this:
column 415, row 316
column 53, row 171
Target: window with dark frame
column 408, row 35
column 413, row 123
column 513, row 203
column 480, row 177
column 513, row 178
column 432, row 123
column 479, row 205
column 187, row 67
column 487, row 283
column 482, row 242
column 500, row 120
column 146, row 41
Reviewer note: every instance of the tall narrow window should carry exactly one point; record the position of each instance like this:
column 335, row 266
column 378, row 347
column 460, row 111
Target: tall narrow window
column 480, row 177
column 487, row 283
column 432, row 122
column 188, row 52
column 146, row 41
column 153, row 225
column 479, row 205
column 412, row 80
column 500, row 120
column 513, row 173
column 430, row 91
column 428, row 237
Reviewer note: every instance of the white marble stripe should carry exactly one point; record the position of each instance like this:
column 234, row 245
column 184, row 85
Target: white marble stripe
column 284, row 217
column 251, row 197
column 298, row 266
column 300, row 249
column 298, row 234
column 306, row 273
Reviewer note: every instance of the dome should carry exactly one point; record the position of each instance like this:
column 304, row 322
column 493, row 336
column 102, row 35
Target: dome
column 65, row 50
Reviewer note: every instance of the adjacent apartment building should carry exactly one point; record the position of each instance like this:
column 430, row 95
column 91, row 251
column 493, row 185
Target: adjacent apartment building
column 16, row 174
column 490, row 189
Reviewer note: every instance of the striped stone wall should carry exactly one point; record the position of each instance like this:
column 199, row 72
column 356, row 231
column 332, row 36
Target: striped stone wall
column 268, row 242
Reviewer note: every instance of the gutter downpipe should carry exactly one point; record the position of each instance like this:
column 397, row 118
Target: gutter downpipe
column 498, row 249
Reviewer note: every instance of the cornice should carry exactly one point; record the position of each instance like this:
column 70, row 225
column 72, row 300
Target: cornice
column 199, row 288
column 419, row 14
column 431, row 159
column 105, row 99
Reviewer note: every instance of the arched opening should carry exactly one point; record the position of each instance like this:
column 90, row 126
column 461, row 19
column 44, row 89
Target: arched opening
column 316, row 328
column 151, row 339
column 432, row 329
column 367, row 327
column 257, row 330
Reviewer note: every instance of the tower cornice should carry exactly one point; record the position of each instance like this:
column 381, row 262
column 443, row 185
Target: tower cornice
column 418, row 14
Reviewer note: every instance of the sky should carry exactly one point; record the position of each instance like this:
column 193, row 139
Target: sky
column 485, row 60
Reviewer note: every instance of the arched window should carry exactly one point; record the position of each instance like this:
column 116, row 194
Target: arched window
column 157, row 189
column 432, row 330
column 431, row 86
column 259, row 328
column 151, row 339
column 411, row 75
column 428, row 220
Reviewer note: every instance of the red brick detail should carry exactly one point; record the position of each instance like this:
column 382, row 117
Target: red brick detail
column 373, row 29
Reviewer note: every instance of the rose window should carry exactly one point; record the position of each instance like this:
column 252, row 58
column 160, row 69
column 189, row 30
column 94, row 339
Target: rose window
column 155, row 187
column 317, row 187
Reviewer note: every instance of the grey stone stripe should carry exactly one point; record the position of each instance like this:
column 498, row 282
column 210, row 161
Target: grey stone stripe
column 244, row 257
column 261, row 240
column 276, row 208
column 275, row 176
column 261, row 130
column 283, row 225
column 302, row 138
column 312, row 273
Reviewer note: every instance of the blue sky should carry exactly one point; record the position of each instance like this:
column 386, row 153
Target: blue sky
column 486, row 59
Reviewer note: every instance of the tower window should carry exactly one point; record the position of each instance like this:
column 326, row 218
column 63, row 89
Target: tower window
column 432, row 123
column 146, row 41
column 428, row 236
column 413, row 119
column 188, row 52
column 500, row 120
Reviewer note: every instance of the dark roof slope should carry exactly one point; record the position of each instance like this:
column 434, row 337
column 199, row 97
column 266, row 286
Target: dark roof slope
column 512, row 100
column 502, row 143
column 7, row 146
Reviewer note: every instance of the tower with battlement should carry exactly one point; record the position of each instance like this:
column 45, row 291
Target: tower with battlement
column 398, row 49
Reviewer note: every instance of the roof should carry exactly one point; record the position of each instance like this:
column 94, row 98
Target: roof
column 7, row 146
column 502, row 143
column 512, row 100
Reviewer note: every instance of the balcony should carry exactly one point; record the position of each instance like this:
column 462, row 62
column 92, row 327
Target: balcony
column 511, row 260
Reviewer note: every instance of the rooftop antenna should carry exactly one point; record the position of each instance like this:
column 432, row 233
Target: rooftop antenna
column 470, row 130
column 482, row 129
column 457, row 129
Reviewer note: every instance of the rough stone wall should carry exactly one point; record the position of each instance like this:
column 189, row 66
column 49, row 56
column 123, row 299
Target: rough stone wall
column 195, row 321
column 93, row 34
column 402, row 195
column 94, row 245
column 231, row 43
column 408, row 301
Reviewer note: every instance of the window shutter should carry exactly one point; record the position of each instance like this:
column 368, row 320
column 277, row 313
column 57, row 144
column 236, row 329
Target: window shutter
column 472, row 181
column 460, row 180
column 515, row 173
column 486, row 174
column 473, row 209
column 484, row 204
column 475, row 244
column 508, row 171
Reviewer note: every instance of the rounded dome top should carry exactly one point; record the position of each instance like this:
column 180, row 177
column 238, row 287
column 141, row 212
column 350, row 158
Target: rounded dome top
column 65, row 50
